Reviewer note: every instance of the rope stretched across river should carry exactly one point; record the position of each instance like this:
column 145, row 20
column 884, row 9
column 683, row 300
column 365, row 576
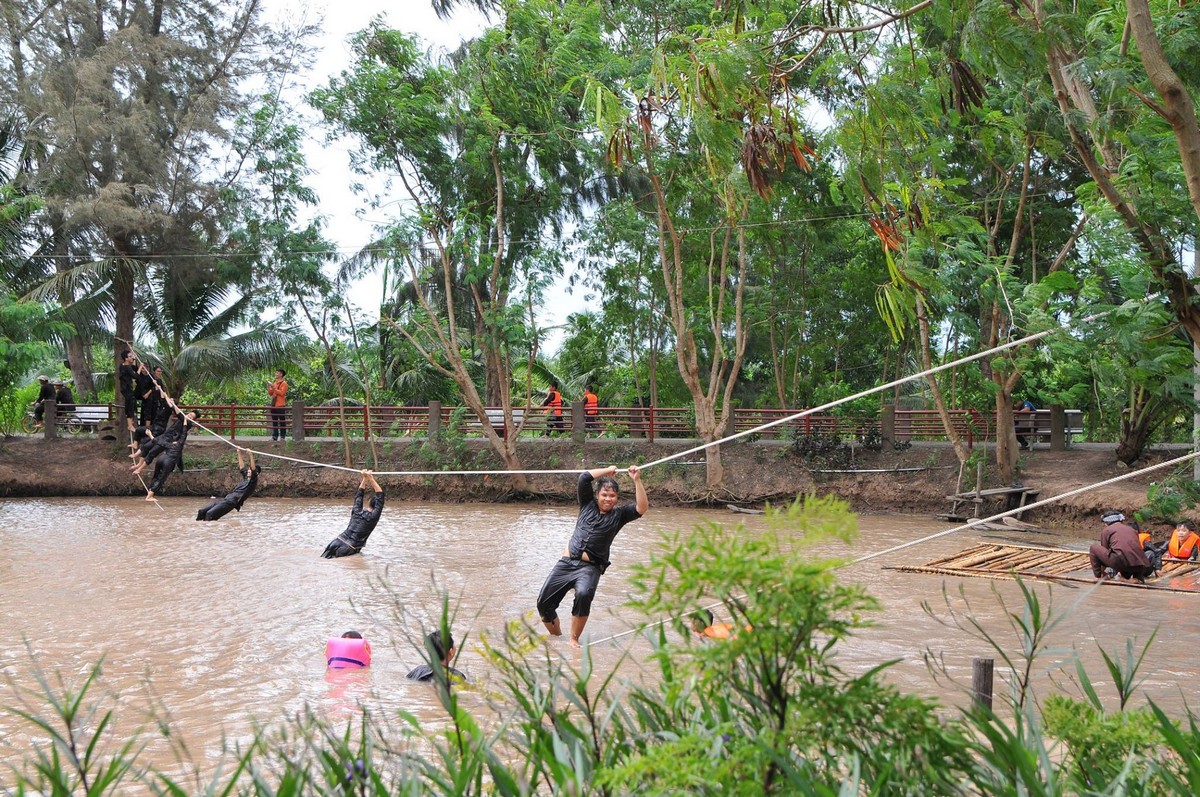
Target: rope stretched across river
column 703, row 446
column 968, row 525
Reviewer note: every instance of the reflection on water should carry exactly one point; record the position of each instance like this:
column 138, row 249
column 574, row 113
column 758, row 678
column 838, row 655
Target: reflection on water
column 222, row 625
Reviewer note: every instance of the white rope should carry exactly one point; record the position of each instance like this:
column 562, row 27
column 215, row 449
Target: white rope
column 937, row 535
column 703, row 446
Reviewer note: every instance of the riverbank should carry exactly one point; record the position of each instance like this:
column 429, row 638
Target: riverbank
column 915, row 480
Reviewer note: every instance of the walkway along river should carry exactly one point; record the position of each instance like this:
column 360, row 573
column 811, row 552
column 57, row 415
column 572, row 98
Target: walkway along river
column 222, row 624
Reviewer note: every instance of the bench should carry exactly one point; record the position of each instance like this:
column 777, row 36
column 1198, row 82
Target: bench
column 91, row 416
column 1035, row 425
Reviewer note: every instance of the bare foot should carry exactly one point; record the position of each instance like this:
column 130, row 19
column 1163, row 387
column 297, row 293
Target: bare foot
column 575, row 642
column 150, row 496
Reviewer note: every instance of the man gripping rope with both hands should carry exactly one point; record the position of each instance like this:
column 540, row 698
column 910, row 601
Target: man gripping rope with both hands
column 585, row 558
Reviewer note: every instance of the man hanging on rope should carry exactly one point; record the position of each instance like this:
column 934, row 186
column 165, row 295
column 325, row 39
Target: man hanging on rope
column 172, row 457
column 362, row 521
column 220, row 507
column 585, row 558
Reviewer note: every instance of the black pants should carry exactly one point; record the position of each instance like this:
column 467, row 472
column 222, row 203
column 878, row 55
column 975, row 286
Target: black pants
column 279, row 423
column 219, row 508
column 339, row 548
column 568, row 574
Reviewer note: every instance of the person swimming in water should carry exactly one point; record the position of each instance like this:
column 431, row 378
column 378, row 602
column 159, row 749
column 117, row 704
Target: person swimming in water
column 220, row 507
column 172, row 457
column 362, row 521
column 443, row 651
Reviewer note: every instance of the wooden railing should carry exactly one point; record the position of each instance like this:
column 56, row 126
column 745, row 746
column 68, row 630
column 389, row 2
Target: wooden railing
column 652, row 423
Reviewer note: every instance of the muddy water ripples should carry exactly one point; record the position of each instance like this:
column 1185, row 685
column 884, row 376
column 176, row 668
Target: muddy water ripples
column 221, row 626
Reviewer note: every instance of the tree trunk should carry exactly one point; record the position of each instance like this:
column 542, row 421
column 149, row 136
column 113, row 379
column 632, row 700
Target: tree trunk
column 1137, row 422
column 1006, row 432
column 960, row 448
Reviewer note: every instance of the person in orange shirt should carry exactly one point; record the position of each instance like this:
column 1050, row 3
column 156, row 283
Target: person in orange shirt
column 277, row 390
column 1184, row 543
column 591, row 409
column 703, row 625
column 554, row 401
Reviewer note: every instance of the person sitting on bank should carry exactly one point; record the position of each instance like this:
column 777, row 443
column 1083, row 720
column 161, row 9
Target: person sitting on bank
column 220, row 507
column 1120, row 550
column 348, row 652
column 703, row 625
column 362, row 521
column 1184, row 542
column 442, row 651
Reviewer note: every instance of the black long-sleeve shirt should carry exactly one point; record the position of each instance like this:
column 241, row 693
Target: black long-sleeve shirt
column 594, row 530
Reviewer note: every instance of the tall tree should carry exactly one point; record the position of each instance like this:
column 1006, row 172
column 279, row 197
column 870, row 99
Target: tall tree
column 485, row 158
column 696, row 108
column 128, row 106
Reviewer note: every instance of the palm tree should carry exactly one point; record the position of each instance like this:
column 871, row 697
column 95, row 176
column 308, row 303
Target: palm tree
column 201, row 330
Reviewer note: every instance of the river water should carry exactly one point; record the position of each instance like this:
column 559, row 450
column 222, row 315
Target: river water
column 222, row 625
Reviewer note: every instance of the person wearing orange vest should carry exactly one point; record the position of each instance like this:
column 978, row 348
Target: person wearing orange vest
column 277, row 390
column 591, row 409
column 1184, row 544
column 554, row 401
column 703, row 625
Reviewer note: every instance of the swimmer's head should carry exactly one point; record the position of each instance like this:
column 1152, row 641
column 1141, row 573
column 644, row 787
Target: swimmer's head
column 352, row 635
column 443, row 648
column 701, row 619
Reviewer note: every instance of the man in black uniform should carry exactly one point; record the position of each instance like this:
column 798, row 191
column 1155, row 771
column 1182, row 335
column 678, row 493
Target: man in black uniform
column 220, row 507
column 362, row 521
column 45, row 393
column 585, row 558
column 64, row 400
column 127, row 376
column 171, row 458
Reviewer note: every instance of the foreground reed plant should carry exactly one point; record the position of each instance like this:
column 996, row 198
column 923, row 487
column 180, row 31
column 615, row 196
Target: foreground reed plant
column 766, row 710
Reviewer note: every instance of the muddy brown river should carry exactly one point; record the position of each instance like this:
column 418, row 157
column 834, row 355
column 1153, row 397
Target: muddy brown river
column 220, row 626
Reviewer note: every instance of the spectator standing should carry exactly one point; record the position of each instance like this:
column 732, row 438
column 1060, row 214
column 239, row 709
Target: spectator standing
column 277, row 391
column 127, row 376
column 554, row 401
column 591, row 409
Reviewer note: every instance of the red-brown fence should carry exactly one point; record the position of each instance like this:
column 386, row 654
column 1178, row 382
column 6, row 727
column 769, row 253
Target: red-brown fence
column 233, row 421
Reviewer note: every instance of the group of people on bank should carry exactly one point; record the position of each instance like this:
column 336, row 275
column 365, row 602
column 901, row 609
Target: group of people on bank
column 1125, row 551
column 57, row 391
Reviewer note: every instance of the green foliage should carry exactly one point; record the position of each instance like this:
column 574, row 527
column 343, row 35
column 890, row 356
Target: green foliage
column 1168, row 499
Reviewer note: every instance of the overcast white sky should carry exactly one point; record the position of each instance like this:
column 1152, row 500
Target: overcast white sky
column 350, row 223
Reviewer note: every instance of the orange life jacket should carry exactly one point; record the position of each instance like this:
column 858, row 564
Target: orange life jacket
column 1185, row 549
column 591, row 403
column 1143, row 538
column 556, row 401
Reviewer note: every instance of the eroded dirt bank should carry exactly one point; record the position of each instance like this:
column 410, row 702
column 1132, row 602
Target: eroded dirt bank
column 754, row 473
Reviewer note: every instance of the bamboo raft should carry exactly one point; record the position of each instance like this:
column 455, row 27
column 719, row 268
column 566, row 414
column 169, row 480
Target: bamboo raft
column 993, row 560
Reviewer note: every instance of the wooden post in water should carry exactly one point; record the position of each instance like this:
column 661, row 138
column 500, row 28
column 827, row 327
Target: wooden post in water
column 981, row 681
